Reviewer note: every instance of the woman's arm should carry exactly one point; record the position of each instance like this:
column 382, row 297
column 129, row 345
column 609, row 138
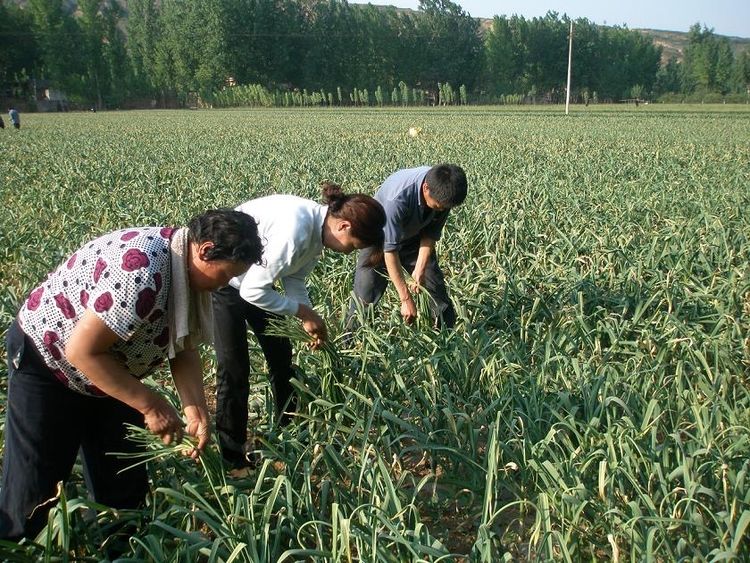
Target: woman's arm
column 187, row 373
column 88, row 349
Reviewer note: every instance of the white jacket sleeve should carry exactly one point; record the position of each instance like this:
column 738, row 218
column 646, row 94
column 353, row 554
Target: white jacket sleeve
column 295, row 286
column 256, row 286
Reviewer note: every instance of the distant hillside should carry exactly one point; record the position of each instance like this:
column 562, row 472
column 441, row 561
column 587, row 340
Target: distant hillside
column 673, row 43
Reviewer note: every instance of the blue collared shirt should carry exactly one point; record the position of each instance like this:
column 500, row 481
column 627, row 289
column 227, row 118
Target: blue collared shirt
column 407, row 214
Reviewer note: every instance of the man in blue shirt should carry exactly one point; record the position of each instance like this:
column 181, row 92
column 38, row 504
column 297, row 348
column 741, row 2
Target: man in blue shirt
column 416, row 202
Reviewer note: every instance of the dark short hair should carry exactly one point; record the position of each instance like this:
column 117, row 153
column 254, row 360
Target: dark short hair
column 447, row 183
column 234, row 235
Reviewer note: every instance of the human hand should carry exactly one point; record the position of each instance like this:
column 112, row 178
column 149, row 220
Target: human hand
column 163, row 420
column 313, row 325
column 408, row 310
column 415, row 284
column 198, row 425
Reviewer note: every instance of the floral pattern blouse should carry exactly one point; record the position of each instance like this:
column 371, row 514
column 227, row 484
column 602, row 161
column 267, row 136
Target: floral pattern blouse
column 124, row 278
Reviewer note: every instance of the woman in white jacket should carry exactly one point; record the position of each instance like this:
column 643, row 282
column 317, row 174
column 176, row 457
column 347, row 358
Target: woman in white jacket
column 294, row 232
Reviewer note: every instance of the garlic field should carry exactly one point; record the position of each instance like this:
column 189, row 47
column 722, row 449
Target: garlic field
column 593, row 402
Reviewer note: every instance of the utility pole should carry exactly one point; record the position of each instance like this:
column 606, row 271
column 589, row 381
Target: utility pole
column 570, row 65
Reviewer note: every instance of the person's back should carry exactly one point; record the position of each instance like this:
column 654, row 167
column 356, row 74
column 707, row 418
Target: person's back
column 15, row 119
column 288, row 225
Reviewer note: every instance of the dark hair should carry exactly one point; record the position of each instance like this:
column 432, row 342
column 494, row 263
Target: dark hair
column 365, row 214
column 447, row 183
column 234, row 235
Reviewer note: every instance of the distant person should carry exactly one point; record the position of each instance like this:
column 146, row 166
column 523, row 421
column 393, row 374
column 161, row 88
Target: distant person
column 15, row 118
column 295, row 232
column 417, row 202
column 85, row 337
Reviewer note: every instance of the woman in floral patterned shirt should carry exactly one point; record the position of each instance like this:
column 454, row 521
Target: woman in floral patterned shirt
column 108, row 316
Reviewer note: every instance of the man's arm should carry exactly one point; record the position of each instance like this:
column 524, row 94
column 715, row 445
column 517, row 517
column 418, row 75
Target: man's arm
column 395, row 272
column 426, row 248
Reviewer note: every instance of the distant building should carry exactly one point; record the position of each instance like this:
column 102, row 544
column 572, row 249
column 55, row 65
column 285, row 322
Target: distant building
column 48, row 98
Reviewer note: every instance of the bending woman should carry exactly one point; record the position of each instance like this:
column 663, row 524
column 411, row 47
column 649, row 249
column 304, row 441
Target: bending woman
column 295, row 231
column 85, row 337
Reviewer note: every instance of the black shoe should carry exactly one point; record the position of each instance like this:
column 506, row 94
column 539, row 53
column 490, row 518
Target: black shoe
column 237, row 461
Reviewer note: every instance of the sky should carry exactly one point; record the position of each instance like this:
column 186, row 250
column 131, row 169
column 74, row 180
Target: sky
column 726, row 17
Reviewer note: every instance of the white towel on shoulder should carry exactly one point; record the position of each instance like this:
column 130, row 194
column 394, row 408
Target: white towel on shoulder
column 190, row 313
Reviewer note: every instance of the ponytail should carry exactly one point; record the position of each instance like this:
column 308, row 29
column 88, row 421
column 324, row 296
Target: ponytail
column 332, row 192
column 365, row 214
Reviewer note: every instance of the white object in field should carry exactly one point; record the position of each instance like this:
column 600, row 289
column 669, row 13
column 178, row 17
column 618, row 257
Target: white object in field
column 414, row 131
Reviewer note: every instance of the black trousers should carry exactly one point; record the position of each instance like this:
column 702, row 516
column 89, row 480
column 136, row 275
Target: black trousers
column 45, row 425
column 232, row 315
column 371, row 282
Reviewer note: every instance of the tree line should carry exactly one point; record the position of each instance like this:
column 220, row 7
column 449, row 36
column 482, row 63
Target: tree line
column 301, row 52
